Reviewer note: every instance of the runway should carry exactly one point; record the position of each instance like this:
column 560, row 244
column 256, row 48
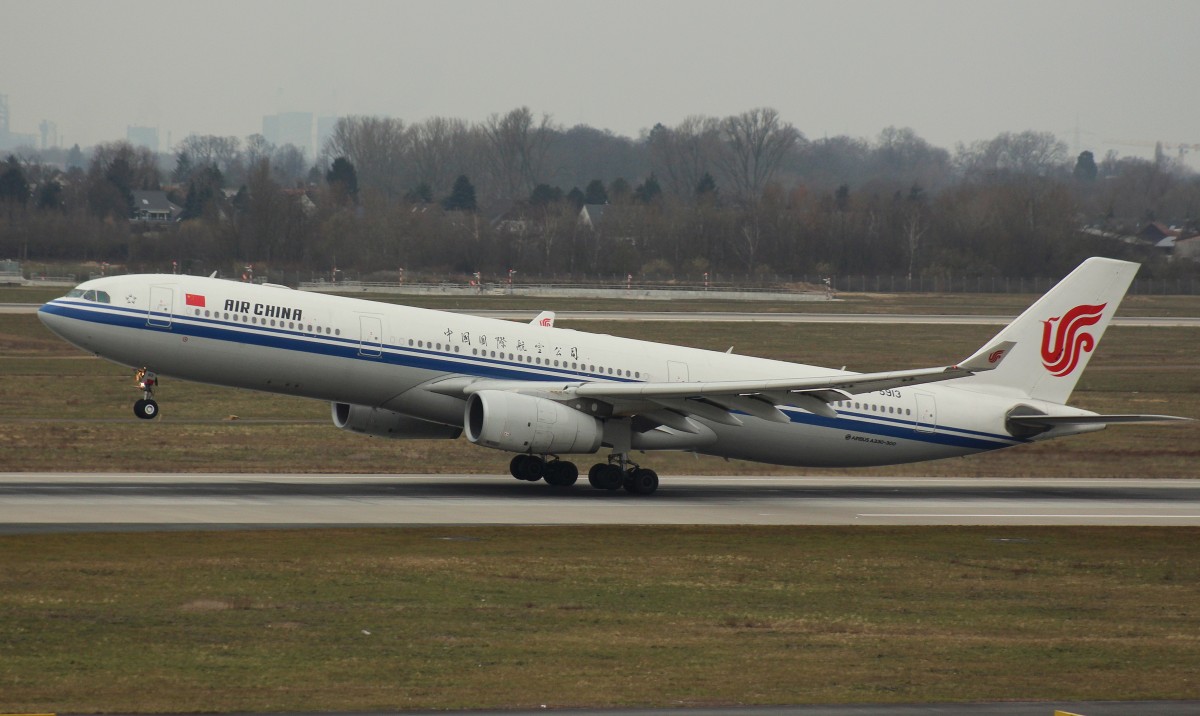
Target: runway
column 40, row 502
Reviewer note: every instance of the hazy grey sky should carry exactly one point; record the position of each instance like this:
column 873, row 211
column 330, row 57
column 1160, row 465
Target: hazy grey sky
column 953, row 71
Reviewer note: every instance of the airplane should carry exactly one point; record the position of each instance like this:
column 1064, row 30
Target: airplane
column 542, row 392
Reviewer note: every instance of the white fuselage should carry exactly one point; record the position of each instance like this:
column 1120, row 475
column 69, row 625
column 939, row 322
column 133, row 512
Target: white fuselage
column 379, row 355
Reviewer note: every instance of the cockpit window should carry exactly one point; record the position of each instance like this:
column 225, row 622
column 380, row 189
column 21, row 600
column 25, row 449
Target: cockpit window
column 97, row 296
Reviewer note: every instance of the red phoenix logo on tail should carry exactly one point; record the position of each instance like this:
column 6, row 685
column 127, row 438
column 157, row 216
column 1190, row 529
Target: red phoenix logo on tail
column 1063, row 340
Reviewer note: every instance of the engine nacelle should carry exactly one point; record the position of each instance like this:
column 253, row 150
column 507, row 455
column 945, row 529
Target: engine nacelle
column 523, row 423
column 389, row 424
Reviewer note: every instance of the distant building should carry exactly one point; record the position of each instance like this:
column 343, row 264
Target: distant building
column 1155, row 232
column 152, row 206
column 8, row 138
column 143, row 137
column 592, row 215
column 295, row 128
column 1188, row 248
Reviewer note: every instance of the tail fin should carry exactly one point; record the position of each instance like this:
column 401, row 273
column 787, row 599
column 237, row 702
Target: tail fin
column 1055, row 336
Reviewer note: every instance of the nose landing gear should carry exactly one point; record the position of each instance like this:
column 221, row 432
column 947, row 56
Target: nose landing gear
column 146, row 408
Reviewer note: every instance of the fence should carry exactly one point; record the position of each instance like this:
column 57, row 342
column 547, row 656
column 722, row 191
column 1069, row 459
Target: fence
column 1188, row 286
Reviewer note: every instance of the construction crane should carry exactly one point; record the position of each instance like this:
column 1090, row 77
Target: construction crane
column 1159, row 147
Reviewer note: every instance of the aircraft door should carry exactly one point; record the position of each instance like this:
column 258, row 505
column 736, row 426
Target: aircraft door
column 677, row 372
column 926, row 413
column 162, row 301
column 371, row 337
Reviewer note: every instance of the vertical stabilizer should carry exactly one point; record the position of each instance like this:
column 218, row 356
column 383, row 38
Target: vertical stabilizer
column 1056, row 336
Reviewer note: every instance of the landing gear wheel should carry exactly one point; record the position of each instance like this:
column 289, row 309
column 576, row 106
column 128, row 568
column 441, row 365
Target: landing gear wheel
column 605, row 477
column 561, row 473
column 527, row 467
column 145, row 409
column 641, row 481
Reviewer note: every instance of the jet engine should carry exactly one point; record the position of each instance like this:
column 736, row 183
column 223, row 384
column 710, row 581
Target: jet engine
column 524, row 423
column 389, row 424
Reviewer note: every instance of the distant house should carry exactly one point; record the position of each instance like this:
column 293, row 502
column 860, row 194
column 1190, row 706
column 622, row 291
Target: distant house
column 1154, row 233
column 154, row 206
column 592, row 215
column 1188, row 248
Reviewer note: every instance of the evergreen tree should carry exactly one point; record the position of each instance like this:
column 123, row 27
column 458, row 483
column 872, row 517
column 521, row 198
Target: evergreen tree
column 462, row 196
column 595, row 193
column 183, row 168
column 343, row 177
column 75, row 158
column 1085, row 167
column 420, row 194
column 14, row 190
column 49, row 196
column 647, row 191
column 544, row 194
column 707, row 186
column 619, row 190
column 576, row 197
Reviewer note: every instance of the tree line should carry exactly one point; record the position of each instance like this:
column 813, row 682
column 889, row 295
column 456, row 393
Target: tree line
column 747, row 195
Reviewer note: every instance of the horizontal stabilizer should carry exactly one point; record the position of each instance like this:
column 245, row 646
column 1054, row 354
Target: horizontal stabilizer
column 988, row 357
column 1050, row 421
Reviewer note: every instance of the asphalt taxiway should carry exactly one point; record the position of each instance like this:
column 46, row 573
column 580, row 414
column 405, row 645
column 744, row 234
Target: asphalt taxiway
column 36, row 502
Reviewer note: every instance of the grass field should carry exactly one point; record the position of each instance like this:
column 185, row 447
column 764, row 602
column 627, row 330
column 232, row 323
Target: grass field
column 523, row 617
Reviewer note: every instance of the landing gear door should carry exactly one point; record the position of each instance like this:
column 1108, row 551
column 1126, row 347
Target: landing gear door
column 371, row 342
column 926, row 413
column 162, row 301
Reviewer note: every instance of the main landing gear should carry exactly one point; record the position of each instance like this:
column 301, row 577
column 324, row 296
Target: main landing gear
column 146, row 408
column 617, row 473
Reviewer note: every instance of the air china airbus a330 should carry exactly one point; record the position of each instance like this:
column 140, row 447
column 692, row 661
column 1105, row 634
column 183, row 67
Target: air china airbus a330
column 541, row 392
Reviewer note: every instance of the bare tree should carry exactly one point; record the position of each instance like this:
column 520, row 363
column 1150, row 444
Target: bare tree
column 755, row 142
column 288, row 165
column 441, row 150
column 682, row 155
column 210, row 150
column 377, row 147
column 1031, row 153
column 518, row 148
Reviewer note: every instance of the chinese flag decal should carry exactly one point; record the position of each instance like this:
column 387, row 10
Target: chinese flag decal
column 194, row 299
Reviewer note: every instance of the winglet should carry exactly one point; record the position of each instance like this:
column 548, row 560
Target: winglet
column 544, row 319
column 987, row 358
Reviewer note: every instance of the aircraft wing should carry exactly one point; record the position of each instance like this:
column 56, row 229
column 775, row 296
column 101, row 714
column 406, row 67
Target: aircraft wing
column 717, row 400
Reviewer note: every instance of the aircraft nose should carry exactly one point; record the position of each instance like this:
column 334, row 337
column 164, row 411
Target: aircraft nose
column 53, row 319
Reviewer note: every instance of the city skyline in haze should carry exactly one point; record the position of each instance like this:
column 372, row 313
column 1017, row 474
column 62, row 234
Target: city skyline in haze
column 1100, row 75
